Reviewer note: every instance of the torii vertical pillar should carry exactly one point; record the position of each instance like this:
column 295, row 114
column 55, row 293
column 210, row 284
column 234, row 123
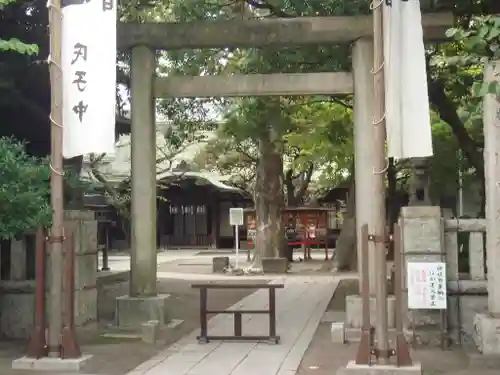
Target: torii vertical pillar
column 487, row 326
column 143, row 304
column 362, row 65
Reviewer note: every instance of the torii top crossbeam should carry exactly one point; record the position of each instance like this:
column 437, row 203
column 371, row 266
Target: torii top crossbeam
column 264, row 32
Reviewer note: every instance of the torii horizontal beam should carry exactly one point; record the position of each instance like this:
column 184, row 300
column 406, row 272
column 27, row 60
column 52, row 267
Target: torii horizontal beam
column 292, row 84
column 264, row 32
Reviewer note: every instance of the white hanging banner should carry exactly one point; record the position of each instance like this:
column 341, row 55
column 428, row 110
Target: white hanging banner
column 88, row 76
column 406, row 99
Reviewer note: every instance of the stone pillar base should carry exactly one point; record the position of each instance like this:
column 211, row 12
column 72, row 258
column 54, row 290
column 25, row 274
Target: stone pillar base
column 275, row 265
column 220, row 264
column 354, row 311
column 353, row 369
column 49, row 364
column 132, row 312
column 487, row 334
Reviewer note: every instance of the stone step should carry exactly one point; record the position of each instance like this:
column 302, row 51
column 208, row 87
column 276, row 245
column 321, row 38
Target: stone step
column 481, row 361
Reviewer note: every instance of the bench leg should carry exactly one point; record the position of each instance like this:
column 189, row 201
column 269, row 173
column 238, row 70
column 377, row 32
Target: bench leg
column 272, row 316
column 237, row 324
column 203, row 316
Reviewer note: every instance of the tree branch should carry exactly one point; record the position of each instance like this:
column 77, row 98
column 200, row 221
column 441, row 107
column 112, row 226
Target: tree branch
column 245, row 153
column 305, row 182
column 341, row 102
column 447, row 112
column 274, row 10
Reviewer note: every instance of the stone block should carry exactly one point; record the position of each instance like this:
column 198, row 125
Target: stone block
column 354, row 311
column 109, row 288
column 50, row 364
column 487, row 334
column 476, row 256
column 422, row 229
column 338, row 333
column 220, row 264
column 415, row 212
column 89, row 237
column 150, row 331
column 85, row 270
column 480, row 361
column 353, row 369
column 85, row 234
column 85, row 306
column 470, row 306
column 131, row 312
column 275, row 265
column 17, row 315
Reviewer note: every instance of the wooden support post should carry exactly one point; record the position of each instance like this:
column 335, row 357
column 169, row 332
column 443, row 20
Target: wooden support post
column 69, row 344
column 379, row 167
column 37, row 347
column 203, row 315
column 363, row 356
column 56, row 235
column 402, row 351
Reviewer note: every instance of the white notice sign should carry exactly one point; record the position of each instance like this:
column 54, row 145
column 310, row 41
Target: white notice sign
column 236, row 216
column 426, row 285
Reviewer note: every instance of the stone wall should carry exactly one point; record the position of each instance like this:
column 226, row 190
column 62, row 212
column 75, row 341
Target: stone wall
column 17, row 301
column 85, row 247
column 429, row 237
column 17, row 298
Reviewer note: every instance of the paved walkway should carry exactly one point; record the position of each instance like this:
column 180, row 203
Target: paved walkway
column 121, row 261
column 300, row 306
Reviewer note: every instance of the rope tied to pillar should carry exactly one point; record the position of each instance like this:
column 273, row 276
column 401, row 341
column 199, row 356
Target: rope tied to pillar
column 51, row 61
column 374, row 5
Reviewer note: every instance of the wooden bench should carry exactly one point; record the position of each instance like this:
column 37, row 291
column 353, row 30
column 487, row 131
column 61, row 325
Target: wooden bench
column 204, row 337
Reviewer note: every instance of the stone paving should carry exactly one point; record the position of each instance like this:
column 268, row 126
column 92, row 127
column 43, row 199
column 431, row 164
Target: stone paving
column 300, row 305
column 121, row 261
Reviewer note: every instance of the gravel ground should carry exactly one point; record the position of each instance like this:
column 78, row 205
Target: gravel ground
column 323, row 357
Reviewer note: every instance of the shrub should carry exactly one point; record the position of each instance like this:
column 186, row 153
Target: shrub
column 24, row 190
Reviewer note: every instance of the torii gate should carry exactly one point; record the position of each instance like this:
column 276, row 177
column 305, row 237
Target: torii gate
column 144, row 39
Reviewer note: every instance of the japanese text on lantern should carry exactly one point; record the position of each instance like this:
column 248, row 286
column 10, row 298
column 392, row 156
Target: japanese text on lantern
column 426, row 285
column 79, row 65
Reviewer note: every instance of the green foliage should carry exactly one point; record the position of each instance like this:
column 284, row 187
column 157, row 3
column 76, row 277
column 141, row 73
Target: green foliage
column 24, row 190
column 313, row 131
column 14, row 44
column 445, row 163
column 457, row 88
column 476, row 42
column 17, row 46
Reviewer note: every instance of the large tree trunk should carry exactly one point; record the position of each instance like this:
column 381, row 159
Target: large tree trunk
column 269, row 200
column 296, row 186
column 345, row 251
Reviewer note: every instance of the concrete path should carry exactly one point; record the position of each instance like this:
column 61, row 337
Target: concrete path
column 300, row 305
column 121, row 262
